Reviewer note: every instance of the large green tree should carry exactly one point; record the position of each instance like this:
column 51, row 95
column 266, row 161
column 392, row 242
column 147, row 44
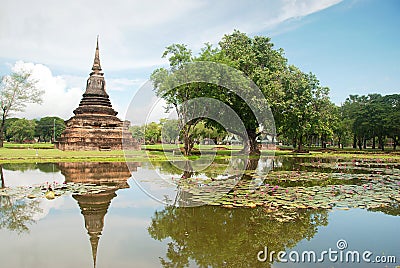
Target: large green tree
column 353, row 111
column 16, row 90
column 300, row 105
column 255, row 57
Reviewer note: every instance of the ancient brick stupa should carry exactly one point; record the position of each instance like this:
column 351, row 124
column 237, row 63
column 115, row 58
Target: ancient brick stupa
column 95, row 125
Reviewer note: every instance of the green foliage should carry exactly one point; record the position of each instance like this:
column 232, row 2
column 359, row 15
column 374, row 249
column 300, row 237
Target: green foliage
column 373, row 116
column 152, row 133
column 342, row 127
column 264, row 65
column 307, row 108
column 16, row 215
column 228, row 232
column 207, row 131
column 43, row 167
column 47, row 126
column 169, row 130
column 301, row 107
column 137, row 132
column 16, row 90
column 7, row 124
column 22, row 129
column 253, row 56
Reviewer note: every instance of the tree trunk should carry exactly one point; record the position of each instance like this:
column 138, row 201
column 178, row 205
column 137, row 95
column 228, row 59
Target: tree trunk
column 187, row 140
column 381, row 143
column 323, row 141
column 300, row 143
column 2, row 177
column 251, row 145
column 2, row 125
column 373, row 143
column 365, row 143
column 359, row 143
column 187, row 147
column 188, row 171
column 252, row 162
column 354, row 141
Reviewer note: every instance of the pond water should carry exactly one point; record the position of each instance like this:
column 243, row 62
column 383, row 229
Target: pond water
column 123, row 227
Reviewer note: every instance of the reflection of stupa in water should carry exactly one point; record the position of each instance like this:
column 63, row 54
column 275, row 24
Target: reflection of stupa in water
column 94, row 206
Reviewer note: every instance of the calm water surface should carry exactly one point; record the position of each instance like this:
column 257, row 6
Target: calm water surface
column 123, row 227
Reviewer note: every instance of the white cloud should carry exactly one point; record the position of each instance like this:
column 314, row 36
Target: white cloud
column 58, row 99
column 133, row 34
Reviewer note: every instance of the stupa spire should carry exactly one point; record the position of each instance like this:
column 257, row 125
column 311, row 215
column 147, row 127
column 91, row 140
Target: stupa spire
column 94, row 242
column 96, row 63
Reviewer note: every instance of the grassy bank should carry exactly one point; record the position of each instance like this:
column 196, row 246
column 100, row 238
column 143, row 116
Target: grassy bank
column 45, row 152
column 30, row 155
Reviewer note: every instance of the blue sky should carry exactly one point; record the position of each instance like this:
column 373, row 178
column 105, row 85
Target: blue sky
column 352, row 46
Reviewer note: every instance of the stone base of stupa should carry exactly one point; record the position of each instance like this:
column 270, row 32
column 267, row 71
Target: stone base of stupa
column 96, row 132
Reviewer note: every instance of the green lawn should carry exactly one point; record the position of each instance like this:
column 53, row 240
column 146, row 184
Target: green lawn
column 54, row 155
column 45, row 152
column 196, row 147
column 40, row 145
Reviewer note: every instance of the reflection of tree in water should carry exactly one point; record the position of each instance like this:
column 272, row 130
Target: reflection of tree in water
column 185, row 170
column 2, row 185
column 393, row 209
column 217, row 167
column 16, row 214
column 219, row 237
column 43, row 167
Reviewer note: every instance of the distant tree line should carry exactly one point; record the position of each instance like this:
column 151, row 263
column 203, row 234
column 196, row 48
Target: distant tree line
column 166, row 131
column 45, row 129
column 370, row 120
